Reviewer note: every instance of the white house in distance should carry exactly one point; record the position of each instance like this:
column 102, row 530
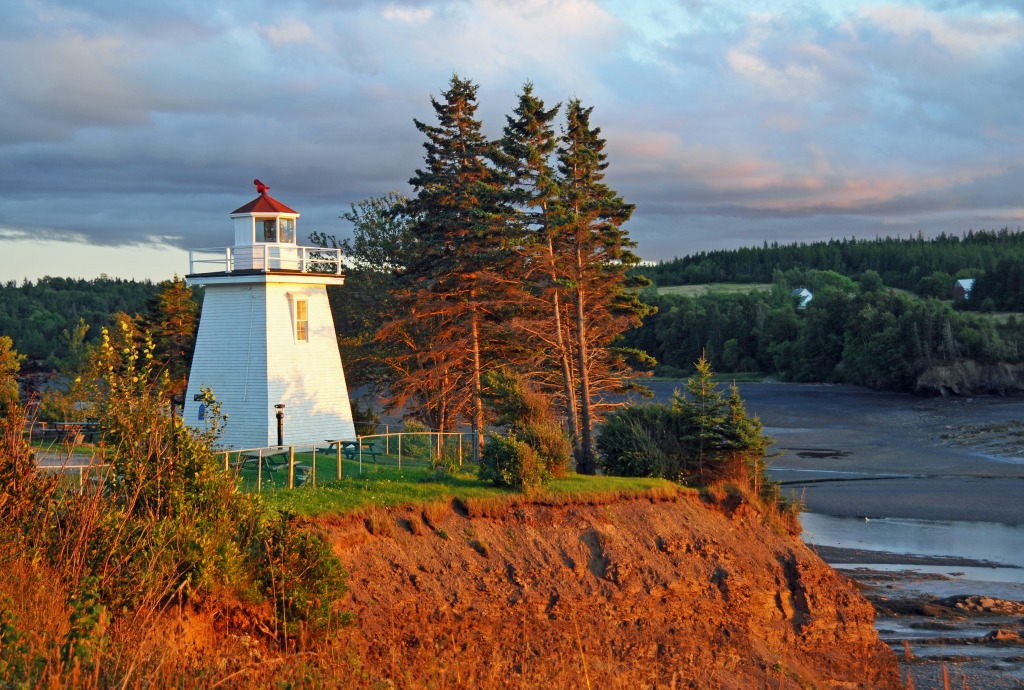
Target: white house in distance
column 266, row 335
column 804, row 296
column 962, row 288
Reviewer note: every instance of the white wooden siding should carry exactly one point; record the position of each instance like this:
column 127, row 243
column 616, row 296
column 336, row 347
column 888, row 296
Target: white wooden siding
column 247, row 354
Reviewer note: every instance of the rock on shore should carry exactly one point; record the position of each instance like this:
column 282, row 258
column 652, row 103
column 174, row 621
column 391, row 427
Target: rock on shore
column 631, row 593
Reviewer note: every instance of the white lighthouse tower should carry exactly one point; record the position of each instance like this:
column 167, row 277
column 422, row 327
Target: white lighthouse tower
column 266, row 335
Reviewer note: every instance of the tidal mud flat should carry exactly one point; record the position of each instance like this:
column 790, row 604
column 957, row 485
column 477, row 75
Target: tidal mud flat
column 917, row 500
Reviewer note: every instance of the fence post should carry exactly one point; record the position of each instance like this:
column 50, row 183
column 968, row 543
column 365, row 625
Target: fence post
column 314, row 465
column 337, row 449
column 259, row 471
column 225, row 461
column 291, row 467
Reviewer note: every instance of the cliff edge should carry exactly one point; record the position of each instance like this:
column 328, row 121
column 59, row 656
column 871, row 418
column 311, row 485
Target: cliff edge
column 631, row 593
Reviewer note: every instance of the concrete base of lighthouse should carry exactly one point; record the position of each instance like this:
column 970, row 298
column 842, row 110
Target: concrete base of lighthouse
column 253, row 353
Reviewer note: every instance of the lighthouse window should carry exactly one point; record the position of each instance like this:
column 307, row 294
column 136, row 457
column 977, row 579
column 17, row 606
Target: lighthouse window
column 288, row 230
column 301, row 320
column 270, row 230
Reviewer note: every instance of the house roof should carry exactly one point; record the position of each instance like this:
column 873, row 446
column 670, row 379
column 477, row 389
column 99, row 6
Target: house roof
column 264, row 203
column 805, row 296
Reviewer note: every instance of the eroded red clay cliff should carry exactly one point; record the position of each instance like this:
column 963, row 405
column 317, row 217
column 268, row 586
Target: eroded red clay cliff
column 627, row 594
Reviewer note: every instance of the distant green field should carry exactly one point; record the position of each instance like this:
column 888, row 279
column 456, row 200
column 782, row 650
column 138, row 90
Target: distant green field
column 712, row 288
column 1001, row 317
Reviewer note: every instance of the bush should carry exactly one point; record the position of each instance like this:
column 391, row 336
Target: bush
column 507, row 461
column 365, row 417
column 166, row 525
column 527, row 416
column 641, row 441
column 703, row 437
column 417, row 444
column 299, row 573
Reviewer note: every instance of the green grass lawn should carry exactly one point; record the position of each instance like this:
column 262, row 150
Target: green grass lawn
column 383, row 484
column 712, row 288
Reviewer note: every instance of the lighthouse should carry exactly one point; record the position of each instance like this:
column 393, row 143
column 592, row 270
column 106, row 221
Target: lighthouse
column 266, row 344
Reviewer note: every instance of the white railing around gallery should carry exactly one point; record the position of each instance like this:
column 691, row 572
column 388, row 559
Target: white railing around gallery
column 267, row 258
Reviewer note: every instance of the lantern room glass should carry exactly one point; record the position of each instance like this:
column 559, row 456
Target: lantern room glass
column 277, row 230
column 287, row 230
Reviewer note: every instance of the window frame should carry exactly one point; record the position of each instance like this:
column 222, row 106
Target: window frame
column 301, row 320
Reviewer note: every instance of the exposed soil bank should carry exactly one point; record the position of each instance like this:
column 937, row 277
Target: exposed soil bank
column 629, row 594
column 968, row 377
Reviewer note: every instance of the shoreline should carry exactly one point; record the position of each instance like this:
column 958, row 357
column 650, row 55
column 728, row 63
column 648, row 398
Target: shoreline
column 840, row 555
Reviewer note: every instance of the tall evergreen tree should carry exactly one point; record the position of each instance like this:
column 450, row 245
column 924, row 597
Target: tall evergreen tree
column 527, row 146
column 458, row 278
column 594, row 260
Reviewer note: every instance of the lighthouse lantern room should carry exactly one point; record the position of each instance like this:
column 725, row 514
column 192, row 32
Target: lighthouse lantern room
column 266, row 344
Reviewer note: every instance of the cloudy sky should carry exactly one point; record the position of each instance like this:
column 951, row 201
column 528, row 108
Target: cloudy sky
column 130, row 130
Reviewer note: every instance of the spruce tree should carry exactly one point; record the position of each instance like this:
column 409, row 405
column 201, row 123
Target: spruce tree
column 457, row 281
column 594, row 260
column 527, row 146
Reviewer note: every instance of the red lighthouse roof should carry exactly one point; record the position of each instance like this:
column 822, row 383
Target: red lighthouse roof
column 263, row 203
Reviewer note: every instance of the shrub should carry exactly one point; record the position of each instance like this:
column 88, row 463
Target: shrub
column 299, row 573
column 417, row 443
column 167, row 525
column 643, row 441
column 703, row 437
column 526, row 413
column 507, row 461
column 365, row 417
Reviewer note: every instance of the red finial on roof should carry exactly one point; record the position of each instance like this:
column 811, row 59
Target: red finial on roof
column 261, row 188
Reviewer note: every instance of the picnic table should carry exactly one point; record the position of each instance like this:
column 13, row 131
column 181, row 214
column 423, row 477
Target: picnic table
column 77, row 431
column 254, row 458
column 271, row 462
column 351, row 449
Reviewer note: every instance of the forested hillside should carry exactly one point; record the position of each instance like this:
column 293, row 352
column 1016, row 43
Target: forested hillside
column 927, row 267
column 851, row 332
column 42, row 317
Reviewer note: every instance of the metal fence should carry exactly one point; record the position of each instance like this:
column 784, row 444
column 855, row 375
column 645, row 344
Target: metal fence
column 89, row 474
column 297, row 465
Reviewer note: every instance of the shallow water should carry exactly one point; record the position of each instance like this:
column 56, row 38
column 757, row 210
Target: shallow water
column 983, row 541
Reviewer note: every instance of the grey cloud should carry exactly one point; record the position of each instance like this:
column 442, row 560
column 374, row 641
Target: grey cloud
column 838, row 127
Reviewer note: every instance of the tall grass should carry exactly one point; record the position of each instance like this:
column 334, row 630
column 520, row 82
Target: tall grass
column 113, row 567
